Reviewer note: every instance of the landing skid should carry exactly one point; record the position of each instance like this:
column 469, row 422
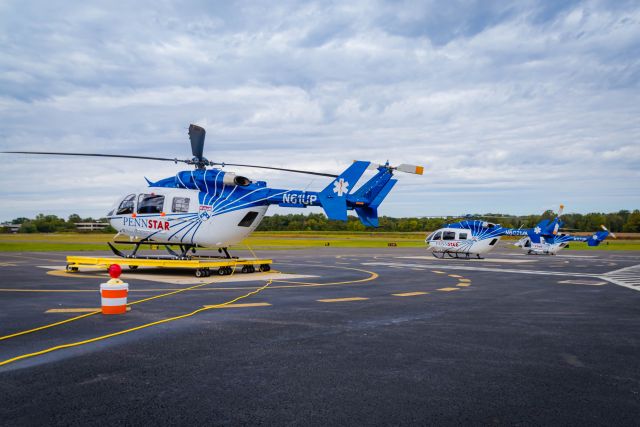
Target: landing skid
column 183, row 255
column 454, row 255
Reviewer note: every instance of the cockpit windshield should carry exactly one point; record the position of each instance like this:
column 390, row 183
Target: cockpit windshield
column 127, row 205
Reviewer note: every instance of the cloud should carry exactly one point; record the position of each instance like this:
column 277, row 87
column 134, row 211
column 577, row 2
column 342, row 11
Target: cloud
column 509, row 107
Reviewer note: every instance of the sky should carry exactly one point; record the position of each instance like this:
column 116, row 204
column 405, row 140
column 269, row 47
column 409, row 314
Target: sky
column 512, row 107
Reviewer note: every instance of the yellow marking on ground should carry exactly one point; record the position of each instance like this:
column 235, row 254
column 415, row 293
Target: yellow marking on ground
column 438, row 272
column 75, row 310
column 464, row 280
column 455, row 276
column 7, row 264
column 463, row 285
column 253, row 304
column 126, row 331
column 62, row 273
column 410, row 294
column 343, row 299
column 448, row 289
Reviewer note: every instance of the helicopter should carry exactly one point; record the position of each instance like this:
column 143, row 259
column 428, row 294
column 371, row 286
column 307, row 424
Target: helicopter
column 209, row 207
column 547, row 237
column 474, row 238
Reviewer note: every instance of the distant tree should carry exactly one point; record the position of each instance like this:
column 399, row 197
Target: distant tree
column 73, row 218
column 633, row 223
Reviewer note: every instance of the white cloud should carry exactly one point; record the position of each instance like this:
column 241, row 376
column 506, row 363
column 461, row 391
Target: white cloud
column 509, row 107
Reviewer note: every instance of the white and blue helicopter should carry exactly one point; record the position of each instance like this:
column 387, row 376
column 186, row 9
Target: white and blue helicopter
column 546, row 238
column 213, row 208
column 474, row 238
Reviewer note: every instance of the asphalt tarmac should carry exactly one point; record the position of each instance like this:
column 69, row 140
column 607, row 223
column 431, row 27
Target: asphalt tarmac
column 339, row 336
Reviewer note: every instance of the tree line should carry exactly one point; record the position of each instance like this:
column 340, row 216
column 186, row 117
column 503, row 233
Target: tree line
column 51, row 224
column 621, row 221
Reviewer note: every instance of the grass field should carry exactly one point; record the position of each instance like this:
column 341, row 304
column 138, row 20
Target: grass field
column 52, row 242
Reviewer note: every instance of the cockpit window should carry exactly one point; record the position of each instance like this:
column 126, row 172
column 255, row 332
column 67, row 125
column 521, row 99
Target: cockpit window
column 463, row 236
column 449, row 235
column 150, row 203
column 127, row 205
column 437, row 236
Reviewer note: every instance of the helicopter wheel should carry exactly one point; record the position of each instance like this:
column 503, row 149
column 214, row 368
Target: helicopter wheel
column 72, row 269
column 245, row 269
column 200, row 273
column 221, row 271
column 265, row 267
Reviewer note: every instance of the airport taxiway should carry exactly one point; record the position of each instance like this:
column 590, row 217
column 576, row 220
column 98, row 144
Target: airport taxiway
column 339, row 336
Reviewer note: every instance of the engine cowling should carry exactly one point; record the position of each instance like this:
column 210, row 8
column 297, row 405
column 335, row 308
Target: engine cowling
column 207, row 180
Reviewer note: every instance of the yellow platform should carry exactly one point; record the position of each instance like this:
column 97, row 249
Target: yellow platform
column 202, row 266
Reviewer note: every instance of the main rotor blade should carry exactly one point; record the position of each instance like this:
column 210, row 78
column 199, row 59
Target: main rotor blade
column 122, row 156
column 276, row 169
column 196, row 136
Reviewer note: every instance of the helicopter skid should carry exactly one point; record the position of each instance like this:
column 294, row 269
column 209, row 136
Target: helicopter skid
column 454, row 255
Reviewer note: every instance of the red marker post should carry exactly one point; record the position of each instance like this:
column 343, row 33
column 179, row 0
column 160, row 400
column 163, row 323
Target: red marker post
column 114, row 292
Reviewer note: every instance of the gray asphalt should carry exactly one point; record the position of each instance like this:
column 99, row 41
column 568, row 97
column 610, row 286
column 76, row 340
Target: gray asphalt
column 513, row 340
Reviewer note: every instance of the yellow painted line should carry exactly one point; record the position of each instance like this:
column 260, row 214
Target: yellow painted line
column 254, row 304
column 410, row 294
column 62, row 273
column 455, row 276
column 126, row 331
column 448, row 289
column 465, row 280
column 75, row 310
column 343, row 299
column 463, row 285
column 438, row 272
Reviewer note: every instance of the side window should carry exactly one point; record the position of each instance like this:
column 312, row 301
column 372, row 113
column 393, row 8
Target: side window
column 180, row 204
column 462, row 236
column 430, row 237
column 127, row 205
column 150, row 203
column 248, row 219
column 449, row 235
column 438, row 235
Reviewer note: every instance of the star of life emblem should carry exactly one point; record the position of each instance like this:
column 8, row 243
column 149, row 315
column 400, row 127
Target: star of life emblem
column 537, row 230
column 340, row 187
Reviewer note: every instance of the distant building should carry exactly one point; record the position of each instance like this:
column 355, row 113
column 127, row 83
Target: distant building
column 11, row 227
column 91, row 226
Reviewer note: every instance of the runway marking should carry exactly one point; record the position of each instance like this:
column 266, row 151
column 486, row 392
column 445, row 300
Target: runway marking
column 628, row 277
column 252, row 304
column 475, row 260
column 583, row 282
column 75, row 310
column 343, row 299
column 410, row 294
column 7, row 264
column 126, row 331
column 455, row 276
column 438, row 272
column 463, row 285
column 464, row 280
column 447, row 289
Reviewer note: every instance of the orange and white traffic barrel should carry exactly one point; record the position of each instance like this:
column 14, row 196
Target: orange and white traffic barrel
column 114, row 292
